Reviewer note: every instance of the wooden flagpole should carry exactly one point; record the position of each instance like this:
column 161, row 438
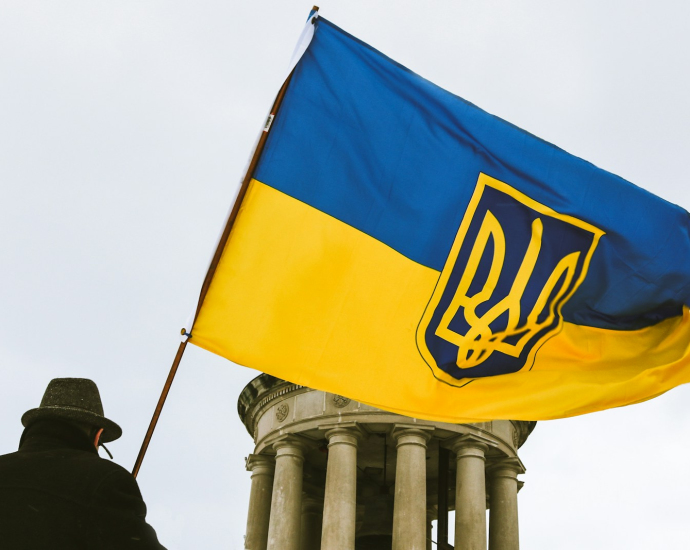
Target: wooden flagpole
column 212, row 268
column 159, row 408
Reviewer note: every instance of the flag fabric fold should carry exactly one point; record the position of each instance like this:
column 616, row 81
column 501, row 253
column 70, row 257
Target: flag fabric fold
column 402, row 247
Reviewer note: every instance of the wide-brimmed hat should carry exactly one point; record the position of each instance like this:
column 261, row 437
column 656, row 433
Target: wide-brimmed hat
column 74, row 399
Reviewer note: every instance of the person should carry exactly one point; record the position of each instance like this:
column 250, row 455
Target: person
column 56, row 491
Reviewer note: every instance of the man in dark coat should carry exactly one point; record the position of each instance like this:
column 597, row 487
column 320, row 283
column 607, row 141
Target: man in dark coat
column 56, row 492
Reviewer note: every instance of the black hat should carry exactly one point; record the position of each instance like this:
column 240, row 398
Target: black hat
column 74, row 399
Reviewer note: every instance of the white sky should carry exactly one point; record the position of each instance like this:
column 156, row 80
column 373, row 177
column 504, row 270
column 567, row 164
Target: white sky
column 124, row 127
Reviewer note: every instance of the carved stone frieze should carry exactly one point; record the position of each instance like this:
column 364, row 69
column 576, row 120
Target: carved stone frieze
column 282, row 411
column 340, row 401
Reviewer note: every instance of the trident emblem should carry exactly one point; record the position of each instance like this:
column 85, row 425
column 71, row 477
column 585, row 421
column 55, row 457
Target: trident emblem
column 512, row 267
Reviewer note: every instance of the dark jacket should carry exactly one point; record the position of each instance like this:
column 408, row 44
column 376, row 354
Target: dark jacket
column 56, row 492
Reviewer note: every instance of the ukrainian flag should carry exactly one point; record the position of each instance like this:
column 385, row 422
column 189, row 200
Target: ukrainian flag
column 402, row 247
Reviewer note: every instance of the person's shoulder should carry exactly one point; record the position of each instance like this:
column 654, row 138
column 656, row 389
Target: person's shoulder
column 106, row 475
column 109, row 467
column 8, row 463
column 112, row 476
column 75, row 475
column 8, row 457
column 92, row 463
column 89, row 471
column 117, row 489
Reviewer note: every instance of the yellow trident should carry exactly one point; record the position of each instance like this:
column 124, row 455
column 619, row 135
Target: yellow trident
column 480, row 342
column 507, row 324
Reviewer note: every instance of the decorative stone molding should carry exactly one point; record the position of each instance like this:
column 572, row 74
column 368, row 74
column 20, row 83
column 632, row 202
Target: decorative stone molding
column 258, row 394
column 412, row 434
column 344, row 432
column 470, row 441
column 522, row 429
column 308, row 409
column 291, row 445
column 282, row 411
column 341, row 401
column 504, row 465
column 260, row 464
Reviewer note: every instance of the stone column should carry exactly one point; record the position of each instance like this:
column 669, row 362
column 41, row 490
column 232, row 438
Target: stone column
column 284, row 529
column 470, row 493
column 503, row 516
column 312, row 519
column 262, row 468
column 409, row 509
column 339, row 503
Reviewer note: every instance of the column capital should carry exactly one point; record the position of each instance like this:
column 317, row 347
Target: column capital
column 469, row 444
column 412, row 434
column 291, row 445
column 506, row 467
column 348, row 433
column 260, row 464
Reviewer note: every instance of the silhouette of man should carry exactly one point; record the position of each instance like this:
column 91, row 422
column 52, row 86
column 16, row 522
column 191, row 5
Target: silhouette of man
column 56, row 492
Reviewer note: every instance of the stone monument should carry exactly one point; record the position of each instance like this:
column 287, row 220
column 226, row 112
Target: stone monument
column 334, row 474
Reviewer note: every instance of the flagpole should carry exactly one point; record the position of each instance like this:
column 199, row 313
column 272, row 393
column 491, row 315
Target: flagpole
column 212, row 268
column 159, row 407
column 240, row 197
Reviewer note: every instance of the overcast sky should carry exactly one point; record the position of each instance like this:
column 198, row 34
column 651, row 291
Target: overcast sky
column 124, row 129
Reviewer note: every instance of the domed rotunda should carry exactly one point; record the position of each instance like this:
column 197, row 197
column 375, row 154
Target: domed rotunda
column 334, row 474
